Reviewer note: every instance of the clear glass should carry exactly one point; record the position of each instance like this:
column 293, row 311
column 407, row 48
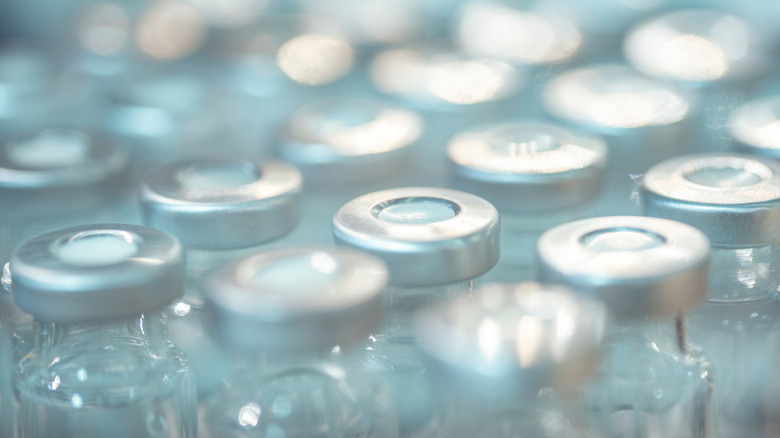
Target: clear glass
column 651, row 383
column 300, row 396
column 118, row 378
column 8, row 405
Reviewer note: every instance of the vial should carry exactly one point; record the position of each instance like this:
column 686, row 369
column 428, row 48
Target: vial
column 649, row 272
column 735, row 200
column 290, row 317
column 510, row 359
column 27, row 84
column 644, row 121
column 437, row 243
column 345, row 148
column 537, row 175
column 755, row 127
column 102, row 363
column 219, row 208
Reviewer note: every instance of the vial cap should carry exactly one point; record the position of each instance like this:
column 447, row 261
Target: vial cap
column 97, row 272
column 755, row 126
column 349, row 140
column 515, row 335
column 695, row 45
column 296, row 299
column 222, row 203
column 58, row 170
column 526, row 166
column 734, row 199
column 613, row 97
column 426, row 236
column 640, row 266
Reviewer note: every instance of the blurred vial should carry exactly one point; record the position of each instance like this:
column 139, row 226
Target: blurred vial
column 345, row 148
column 649, row 272
column 8, row 404
column 735, row 201
column 755, row 127
column 643, row 120
column 436, row 244
column 537, row 175
column 511, row 359
column 102, row 363
column 219, row 208
column 291, row 316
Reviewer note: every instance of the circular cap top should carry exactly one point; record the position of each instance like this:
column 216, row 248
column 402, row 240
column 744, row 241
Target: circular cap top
column 756, row 126
column 733, row 199
column 69, row 168
column 523, row 330
column 433, row 75
column 97, row 272
column 613, row 96
column 427, row 236
column 222, row 203
column 528, row 166
column 694, row 46
column 638, row 265
column 497, row 31
column 348, row 140
column 296, row 298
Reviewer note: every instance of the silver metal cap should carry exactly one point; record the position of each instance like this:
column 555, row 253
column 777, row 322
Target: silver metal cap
column 527, row 166
column 695, row 45
column 294, row 299
column 734, row 199
column 426, row 236
column 510, row 336
column 755, row 126
column 638, row 265
column 58, row 170
column 97, row 272
column 222, row 203
column 610, row 97
column 349, row 140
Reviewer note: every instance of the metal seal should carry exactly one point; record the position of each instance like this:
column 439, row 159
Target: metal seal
column 427, row 236
column 640, row 266
column 755, row 127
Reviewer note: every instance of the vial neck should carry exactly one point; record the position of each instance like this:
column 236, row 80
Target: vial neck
column 743, row 274
column 266, row 361
column 662, row 333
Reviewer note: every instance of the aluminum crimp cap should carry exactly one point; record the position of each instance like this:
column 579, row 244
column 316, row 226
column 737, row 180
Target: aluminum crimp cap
column 528, row 166
column 222, row 203
column 349, row 140
column 97, row 272
column 292, row 299
column 640, row 266
column 734, row 199
column 755, row 126
column 510, row 336
column 426, row 236
column 59, row 170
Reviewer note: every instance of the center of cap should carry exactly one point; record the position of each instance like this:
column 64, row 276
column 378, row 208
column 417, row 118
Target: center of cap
column 514, row 142
column 724, row 177
column 96, row 248
column 415, row 211
column 300, row 275
column 337, row 120
column 622, row 239
column 219, row 176
column 51, row 149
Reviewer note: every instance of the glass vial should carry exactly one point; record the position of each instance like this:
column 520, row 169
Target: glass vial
column 735, row 200
column 755, row 127
column 219, row 208
column 290, row 317
column 509, row 360
column 436, row 244
column 537, row 175
column 651, row 382
column 102, row 363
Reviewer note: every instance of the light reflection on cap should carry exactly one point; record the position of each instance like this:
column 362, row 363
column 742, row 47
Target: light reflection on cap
column 315, row 59
column 170, row 30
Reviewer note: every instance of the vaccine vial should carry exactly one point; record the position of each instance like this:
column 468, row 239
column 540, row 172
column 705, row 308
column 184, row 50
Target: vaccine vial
column 27, row 81
column 345, row 148
column 537, row 175
column 643, row 120
column 437, row 243
column 650, row 382
column 755, row 127
column 290, row 318
column 102, row 363
column 219, row 208
column 510, row 359
column 735, row 200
